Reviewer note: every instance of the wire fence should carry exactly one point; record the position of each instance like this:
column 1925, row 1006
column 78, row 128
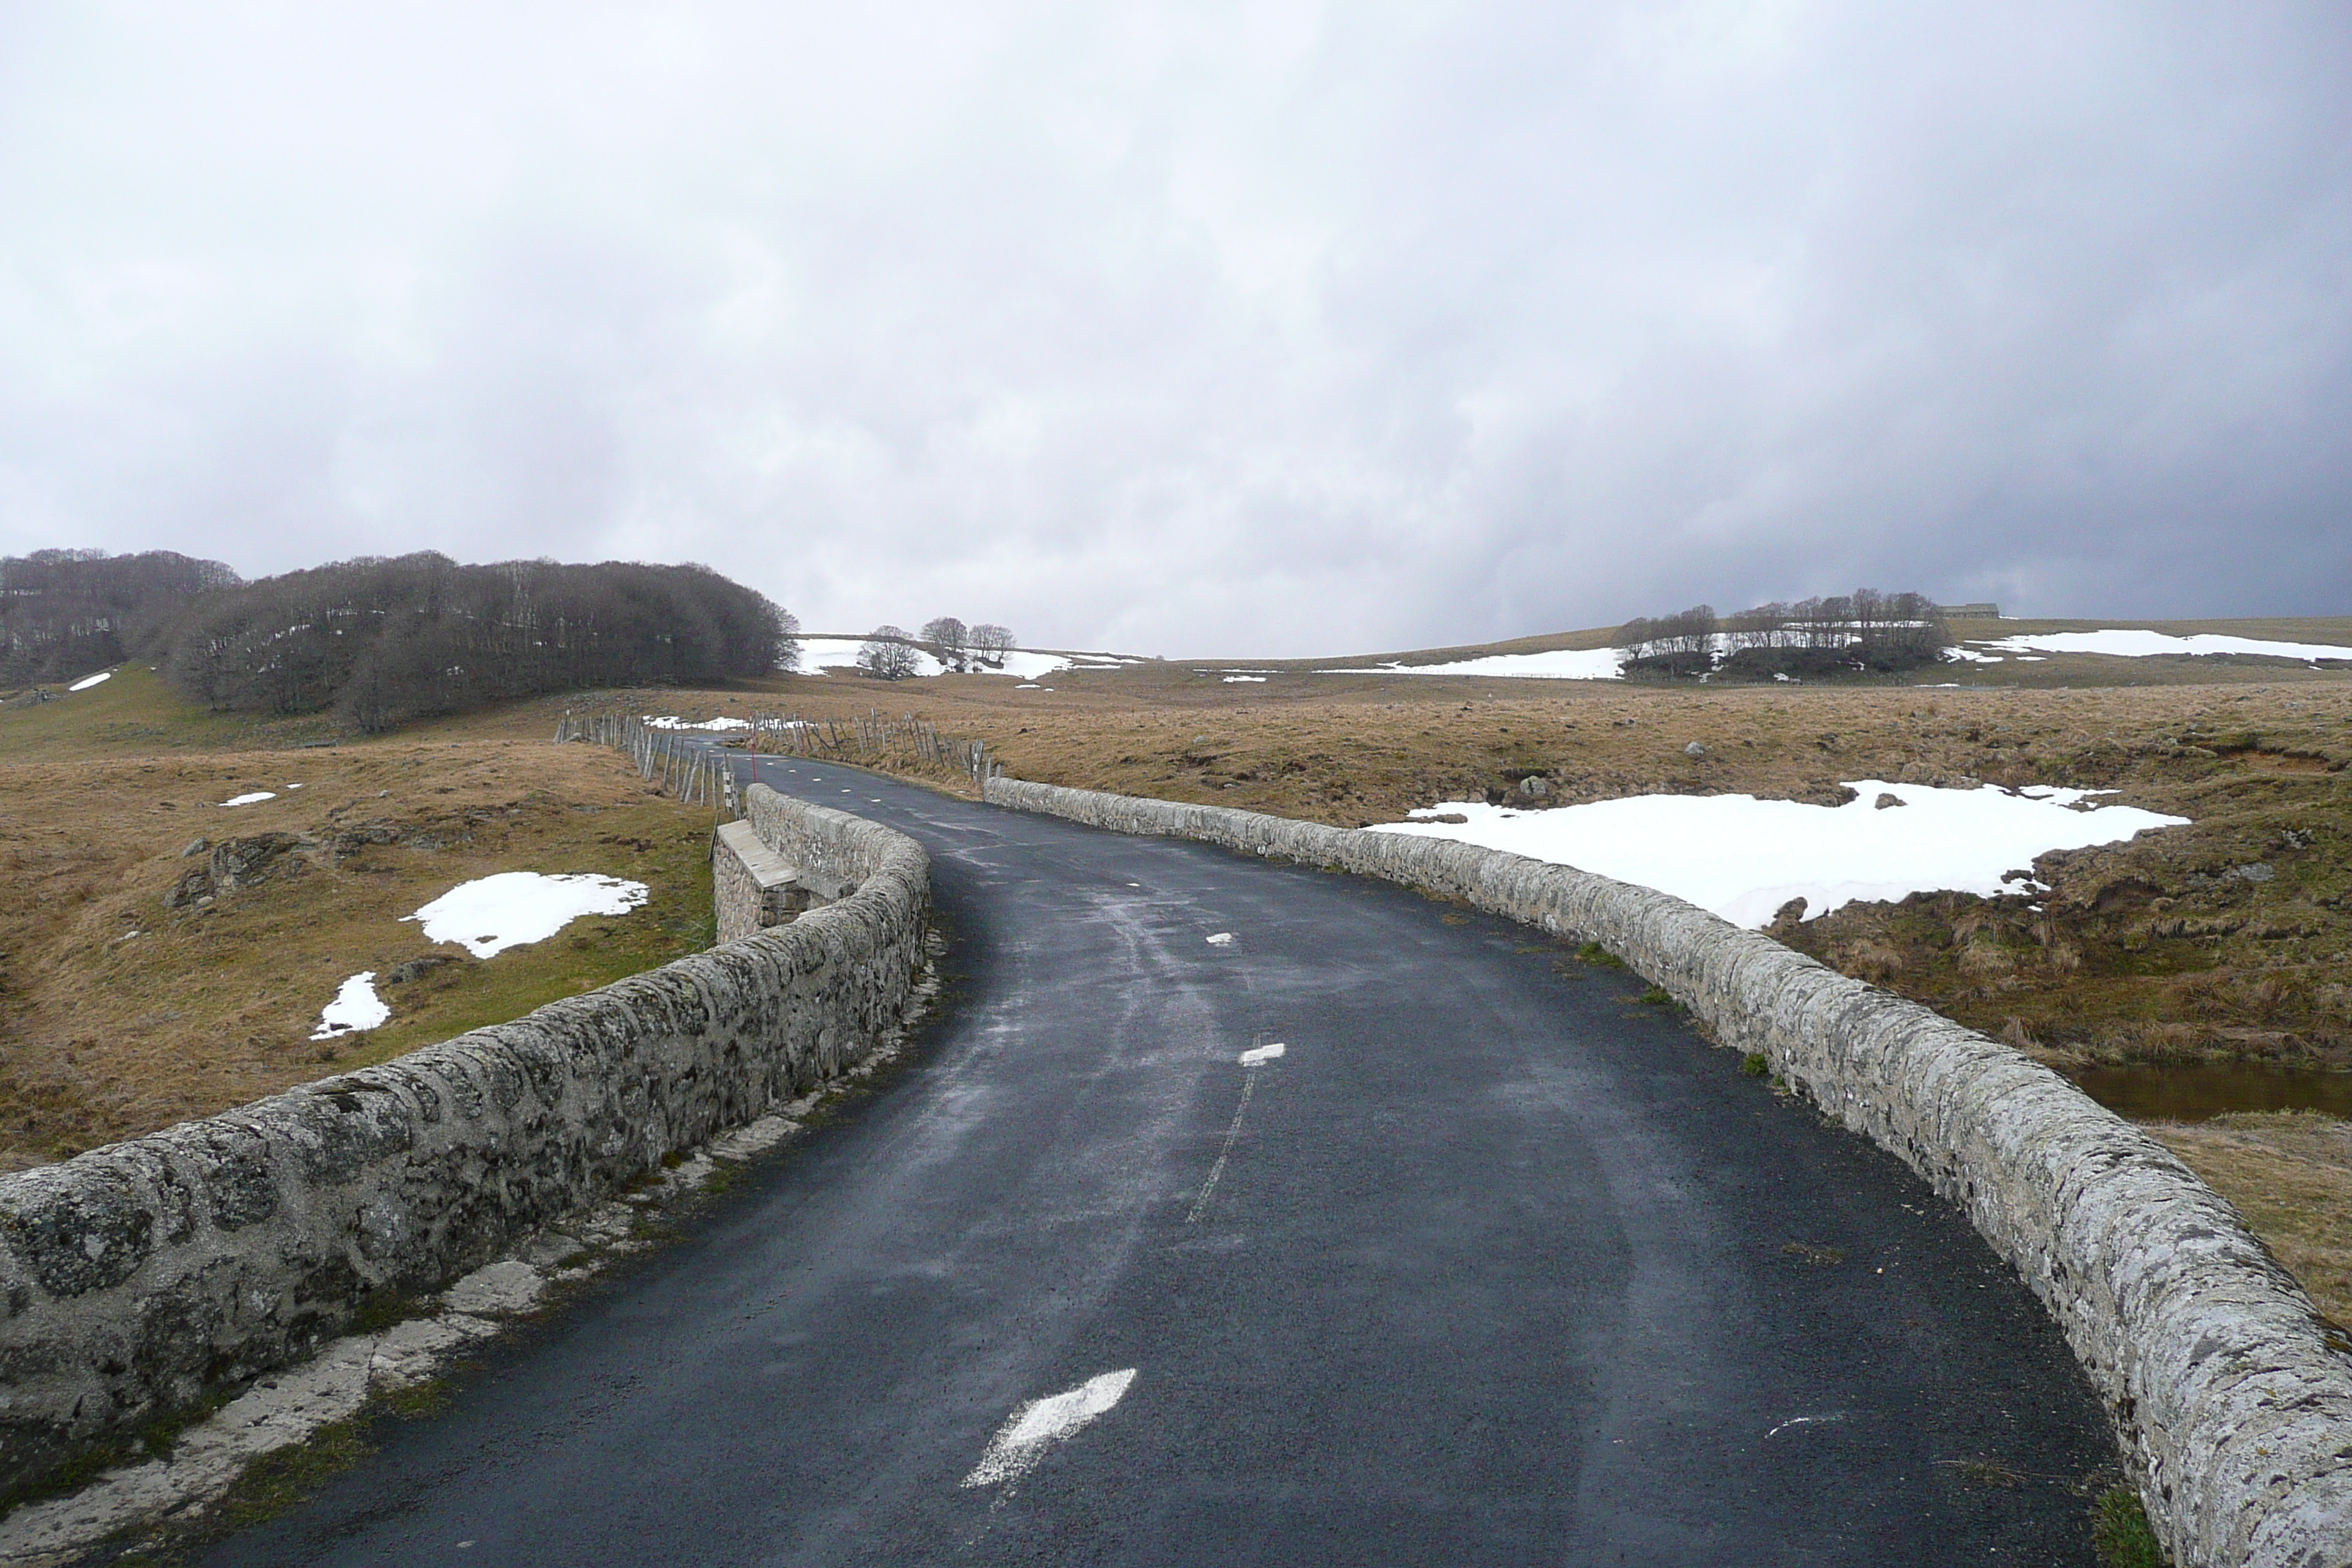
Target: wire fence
column 695, row 769
column 695, row 775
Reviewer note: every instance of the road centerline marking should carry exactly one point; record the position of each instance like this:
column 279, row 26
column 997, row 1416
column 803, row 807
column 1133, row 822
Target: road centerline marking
column 1251, row 1060
column 1037, row 1425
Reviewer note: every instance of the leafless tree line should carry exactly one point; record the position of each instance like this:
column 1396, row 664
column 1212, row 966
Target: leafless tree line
column 1862, row 631
column 888, row 653
column 65, row 614
column 380, row 641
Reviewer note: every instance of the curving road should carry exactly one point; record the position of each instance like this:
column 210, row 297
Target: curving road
column 1490, row 1264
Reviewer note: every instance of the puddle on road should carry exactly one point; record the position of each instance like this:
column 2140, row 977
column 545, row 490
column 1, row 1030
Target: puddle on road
column 2196, row 1093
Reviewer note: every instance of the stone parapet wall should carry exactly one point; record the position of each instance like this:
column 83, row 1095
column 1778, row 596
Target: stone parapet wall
column 2230, row 1398
column 752, row 886
column 138, row 1280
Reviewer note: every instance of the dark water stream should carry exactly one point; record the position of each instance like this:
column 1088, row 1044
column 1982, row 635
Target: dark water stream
column 2195, row 1093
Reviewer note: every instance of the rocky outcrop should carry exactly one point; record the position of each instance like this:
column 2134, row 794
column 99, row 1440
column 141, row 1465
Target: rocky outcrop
column 140, row 1278
column 237, row 863
column 2230, row 1398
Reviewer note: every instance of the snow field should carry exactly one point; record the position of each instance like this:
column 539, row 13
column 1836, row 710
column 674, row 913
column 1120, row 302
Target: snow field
column 2124, row 644
column 819, row 655
column 1744, row 857
column 1563, row 664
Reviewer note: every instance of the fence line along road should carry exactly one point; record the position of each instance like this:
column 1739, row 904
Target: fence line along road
column 688, row 768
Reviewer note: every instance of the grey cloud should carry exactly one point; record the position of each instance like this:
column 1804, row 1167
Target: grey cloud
column 1272, row 329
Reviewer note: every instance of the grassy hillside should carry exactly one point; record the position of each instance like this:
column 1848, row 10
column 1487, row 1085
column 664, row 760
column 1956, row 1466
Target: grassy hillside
column 119, row 1015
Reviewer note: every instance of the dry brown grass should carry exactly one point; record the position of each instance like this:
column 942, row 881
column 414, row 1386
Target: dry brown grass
column 2145, row 952
column 2290, row 1174
column 107, row 1034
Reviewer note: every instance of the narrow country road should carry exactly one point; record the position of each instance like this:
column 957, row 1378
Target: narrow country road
column 1379, row 1233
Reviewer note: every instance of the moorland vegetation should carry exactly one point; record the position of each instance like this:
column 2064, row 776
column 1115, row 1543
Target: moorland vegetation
column 2223, row 942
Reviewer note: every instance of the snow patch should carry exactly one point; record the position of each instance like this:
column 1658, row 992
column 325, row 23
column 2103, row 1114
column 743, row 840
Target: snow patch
column 515, row 909
column 1222, row 939
column 1231, row 679
column 1266, row 1053
column 254, row 798
column 87, row 681
column 1563, row 664
column 673, row 722
column 1021, row 1441
column 1744, row 857
column 1035, row 665
column 355, row 1007
column 2124, row 644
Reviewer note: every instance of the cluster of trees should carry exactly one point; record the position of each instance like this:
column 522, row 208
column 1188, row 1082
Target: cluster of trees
column 65, row 614
column 1862, row 631
column 381, row 641
column 888, row 653
column 963, row 649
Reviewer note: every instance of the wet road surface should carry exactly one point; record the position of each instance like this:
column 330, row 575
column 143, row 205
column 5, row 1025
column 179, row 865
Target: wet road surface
column 1490, row 1263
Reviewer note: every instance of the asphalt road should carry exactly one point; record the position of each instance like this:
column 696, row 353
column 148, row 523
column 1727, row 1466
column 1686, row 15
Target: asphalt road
column 1491, row 1264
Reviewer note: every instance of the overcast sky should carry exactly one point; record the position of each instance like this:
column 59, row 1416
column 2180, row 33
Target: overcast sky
column 1198, row 328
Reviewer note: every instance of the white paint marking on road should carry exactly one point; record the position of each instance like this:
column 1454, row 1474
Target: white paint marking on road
column 1832, row 1418
column 1037, row 1425
column 1251, row 1060
column 1200, row 1204
column 1222, row 939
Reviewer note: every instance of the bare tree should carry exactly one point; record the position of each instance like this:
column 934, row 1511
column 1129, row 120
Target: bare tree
column 1679, row 644
column 1862, row 631
column 888, row 654
column 788, row 636
column 66, row 613
column 951, row 641
column 991, row 643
